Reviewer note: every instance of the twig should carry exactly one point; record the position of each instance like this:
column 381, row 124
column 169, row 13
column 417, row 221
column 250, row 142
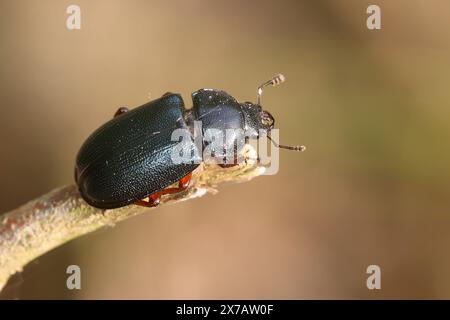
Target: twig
column 62, row 215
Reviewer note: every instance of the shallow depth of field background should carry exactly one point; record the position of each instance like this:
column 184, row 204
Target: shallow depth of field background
column 373, row 108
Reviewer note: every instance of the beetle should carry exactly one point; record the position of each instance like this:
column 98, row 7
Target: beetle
column 128, row 159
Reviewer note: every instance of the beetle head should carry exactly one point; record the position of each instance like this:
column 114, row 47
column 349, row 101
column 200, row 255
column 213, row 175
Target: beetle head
column 257, row 119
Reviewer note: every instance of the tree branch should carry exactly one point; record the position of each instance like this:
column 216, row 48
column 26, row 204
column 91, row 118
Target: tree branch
column 62, row 215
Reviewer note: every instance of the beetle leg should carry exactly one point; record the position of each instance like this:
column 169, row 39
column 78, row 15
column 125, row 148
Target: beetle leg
column 154, row 199
column 120, row 111
column 183, row 184
column 144, row 203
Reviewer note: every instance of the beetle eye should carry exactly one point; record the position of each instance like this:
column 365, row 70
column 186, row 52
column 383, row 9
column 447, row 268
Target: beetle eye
column 266, row 119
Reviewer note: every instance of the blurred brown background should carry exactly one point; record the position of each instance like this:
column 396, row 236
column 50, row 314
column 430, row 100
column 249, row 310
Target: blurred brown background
column 371, row 106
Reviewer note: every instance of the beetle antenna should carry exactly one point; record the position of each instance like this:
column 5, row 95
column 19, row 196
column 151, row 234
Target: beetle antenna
column 276, row 80
column 293, row 148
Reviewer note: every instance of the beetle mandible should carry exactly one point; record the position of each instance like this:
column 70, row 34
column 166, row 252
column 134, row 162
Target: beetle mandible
column 128, row 158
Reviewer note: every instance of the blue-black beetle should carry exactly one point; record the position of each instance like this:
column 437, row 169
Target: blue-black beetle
column 129, row 158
